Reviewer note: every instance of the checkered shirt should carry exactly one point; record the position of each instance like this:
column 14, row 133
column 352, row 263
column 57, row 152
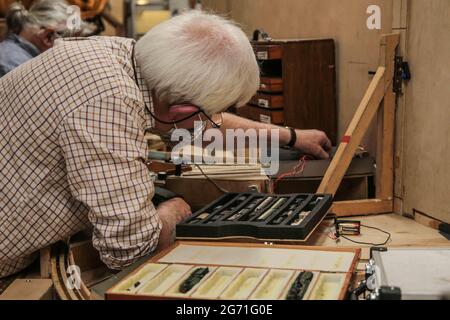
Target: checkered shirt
column 72, row 154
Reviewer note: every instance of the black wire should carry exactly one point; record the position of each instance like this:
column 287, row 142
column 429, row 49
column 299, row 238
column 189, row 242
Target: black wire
column 369, row 243
column 211, row 180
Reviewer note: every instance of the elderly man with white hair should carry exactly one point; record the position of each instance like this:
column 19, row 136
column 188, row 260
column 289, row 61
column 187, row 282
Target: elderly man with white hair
column 72, row 145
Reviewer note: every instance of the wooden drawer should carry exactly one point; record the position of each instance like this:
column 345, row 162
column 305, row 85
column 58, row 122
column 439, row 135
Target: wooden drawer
column 272, row 85
column 262, row 114
column 268, row 52
column 268, row 101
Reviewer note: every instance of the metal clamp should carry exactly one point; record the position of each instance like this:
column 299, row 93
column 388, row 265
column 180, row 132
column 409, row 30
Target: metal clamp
column 401, row 73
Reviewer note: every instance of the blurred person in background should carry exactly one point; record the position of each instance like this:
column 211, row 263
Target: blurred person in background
column 31, row 32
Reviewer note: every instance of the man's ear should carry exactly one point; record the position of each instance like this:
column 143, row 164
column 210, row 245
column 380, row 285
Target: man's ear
column 181, row 111
column 47, row 38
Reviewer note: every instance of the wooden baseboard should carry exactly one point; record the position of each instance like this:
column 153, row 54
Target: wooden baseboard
column 426, row 220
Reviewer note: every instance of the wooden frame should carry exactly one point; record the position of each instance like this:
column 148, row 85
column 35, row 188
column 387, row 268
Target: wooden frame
column 379, row 98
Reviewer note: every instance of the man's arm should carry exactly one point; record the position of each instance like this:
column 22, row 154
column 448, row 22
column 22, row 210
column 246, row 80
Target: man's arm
column 313, row 142
column 104, row 148
column 171, row 213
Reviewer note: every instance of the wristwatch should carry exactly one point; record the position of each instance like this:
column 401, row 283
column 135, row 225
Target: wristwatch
column 293, row 139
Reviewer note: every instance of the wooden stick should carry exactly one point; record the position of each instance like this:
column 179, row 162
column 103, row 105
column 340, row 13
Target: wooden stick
column 45, row 262
column 361, row 207
column 355, row 133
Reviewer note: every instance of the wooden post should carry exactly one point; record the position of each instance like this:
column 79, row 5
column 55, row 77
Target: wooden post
column 386, row 122
column 400, row 25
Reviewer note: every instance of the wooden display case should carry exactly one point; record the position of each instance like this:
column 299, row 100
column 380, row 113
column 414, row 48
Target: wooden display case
column 240, row 272
column 298, row 85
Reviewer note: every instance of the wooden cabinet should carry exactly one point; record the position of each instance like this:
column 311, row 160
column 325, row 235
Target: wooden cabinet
column 298, row 85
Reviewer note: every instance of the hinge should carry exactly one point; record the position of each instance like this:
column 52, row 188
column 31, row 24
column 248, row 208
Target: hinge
column 402, row 73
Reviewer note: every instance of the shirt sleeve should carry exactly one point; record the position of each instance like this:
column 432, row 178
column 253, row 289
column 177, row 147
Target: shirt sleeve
column 4, row 69
column 104, row 149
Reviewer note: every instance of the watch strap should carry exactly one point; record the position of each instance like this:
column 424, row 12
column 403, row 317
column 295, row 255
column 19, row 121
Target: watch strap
column 293, row 139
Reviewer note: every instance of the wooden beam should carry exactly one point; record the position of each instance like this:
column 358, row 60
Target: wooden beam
column 386, row 121
column 355, row 133
column 361, row 207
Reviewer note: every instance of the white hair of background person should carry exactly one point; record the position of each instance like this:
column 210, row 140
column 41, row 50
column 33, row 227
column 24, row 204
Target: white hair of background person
column 51, row 14
column 199, row 58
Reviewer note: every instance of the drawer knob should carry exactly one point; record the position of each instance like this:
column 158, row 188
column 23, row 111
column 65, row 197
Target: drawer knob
column 263, row 103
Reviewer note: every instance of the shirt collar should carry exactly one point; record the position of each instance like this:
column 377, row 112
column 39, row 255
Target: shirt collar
column 24, row 44
column 144, row 89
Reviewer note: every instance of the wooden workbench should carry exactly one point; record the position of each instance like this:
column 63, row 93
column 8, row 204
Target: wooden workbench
column 405, row 232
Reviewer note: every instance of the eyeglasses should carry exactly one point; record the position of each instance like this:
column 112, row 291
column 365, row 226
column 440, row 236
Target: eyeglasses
column 195, row 133
column 199, row 112
column 166, row 136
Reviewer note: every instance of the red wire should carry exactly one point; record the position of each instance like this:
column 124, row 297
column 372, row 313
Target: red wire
column 298, row 169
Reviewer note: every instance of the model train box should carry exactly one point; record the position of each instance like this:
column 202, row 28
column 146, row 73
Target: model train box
column 235, row 271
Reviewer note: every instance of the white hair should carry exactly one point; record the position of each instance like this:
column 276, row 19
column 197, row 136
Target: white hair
column 199, row 58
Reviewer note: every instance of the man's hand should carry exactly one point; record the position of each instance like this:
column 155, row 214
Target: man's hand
column 313, row 142
column 171, row 212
